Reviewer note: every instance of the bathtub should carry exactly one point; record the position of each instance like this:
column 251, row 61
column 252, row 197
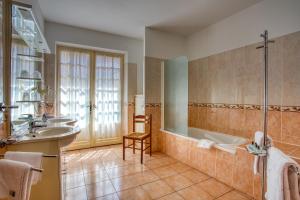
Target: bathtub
column 223, row 141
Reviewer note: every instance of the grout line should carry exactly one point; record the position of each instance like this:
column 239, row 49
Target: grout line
column 232, row 189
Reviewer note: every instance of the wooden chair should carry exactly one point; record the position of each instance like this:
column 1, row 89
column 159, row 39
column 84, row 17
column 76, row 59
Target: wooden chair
column 140, row 137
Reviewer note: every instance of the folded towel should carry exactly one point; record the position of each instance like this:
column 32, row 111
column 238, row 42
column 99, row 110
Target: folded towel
column 206, row 144
column 15, row 180
column 277, row 161
column 258, row 161
column 32, row 158
column 291, row 182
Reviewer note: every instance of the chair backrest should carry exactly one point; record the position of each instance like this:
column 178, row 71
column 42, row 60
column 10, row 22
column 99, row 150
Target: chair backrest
column 143, row 119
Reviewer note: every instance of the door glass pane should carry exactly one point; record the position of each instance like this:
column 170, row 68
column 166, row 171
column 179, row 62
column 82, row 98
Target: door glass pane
column 74, row 88
column 176, row 95
column 107, row 120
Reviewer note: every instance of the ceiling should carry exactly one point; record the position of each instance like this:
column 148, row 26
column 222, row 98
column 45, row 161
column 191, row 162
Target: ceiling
column 129, row 17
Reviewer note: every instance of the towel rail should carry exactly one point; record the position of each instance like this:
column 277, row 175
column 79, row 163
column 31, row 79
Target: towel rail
column 44, row 155
column 36, row 169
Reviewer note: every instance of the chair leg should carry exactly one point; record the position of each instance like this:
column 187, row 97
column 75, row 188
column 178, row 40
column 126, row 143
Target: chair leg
column 133, row 145
column 123, row 148
column 142, row 150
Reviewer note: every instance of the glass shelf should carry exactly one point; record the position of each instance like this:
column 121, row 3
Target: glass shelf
column 29, row 78
column 30, row 58
column 30, row 101
column 26, row 26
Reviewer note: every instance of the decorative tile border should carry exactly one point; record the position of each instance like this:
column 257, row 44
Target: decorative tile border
column 247, row 107
column 152, row 104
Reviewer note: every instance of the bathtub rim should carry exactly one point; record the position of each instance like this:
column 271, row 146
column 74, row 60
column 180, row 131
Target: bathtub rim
column 219, row 147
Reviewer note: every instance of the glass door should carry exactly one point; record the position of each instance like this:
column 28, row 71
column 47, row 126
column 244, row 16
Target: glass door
column 90, row 90
column 107, row 98
column 73, row 78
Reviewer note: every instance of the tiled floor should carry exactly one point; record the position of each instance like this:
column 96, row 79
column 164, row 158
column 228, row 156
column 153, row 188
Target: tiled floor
column 101, row 174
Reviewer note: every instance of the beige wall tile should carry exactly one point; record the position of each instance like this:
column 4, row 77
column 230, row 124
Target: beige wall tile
column 152, row 80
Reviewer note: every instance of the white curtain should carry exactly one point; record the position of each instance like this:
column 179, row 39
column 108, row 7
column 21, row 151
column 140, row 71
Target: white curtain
column 74, row 88
column 18, row 87
column 107, row 121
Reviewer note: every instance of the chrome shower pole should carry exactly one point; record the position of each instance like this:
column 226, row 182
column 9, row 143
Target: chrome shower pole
column 265, row 147
column 265, row 127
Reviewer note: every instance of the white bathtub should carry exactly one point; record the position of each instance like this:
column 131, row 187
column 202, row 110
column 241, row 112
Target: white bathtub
column 224, row 142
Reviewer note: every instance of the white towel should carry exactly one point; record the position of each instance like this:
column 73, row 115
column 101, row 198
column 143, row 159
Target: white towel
column 206, row 144
column 15, row 180
column 276, row 162
column 259, row 139
column 32, row 158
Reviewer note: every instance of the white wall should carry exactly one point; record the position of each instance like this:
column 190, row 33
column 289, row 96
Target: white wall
column 63, row 33
column 159, row 44
column 279, row 17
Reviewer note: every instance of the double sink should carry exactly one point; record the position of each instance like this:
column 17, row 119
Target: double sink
column 63, row 129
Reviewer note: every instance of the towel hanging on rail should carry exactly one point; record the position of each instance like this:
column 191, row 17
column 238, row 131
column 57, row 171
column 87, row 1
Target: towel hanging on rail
column 15, row 179
column 32, row 158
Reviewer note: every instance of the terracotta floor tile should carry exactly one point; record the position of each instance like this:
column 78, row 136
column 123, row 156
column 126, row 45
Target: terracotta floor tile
column 78, row 193
column 214, row 187
column 137, row 193
column 157, row 189
column 107, row 177
column 113, row 196
column 99, row 189
column 180, row 167
column 195, row 176
column 117, row 163
column 178, row 182
column 195, row 193
column 73, row 181
column 145, row 177
column 233, row 195
column 91, row 167
column 125, row 182
column 163, row 172
column 173, row 196
column 74, row 171
column 125, row 170
column 95, row 176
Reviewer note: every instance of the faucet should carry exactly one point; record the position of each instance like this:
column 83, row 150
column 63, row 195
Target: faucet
column 34, row 124
column 44, row 117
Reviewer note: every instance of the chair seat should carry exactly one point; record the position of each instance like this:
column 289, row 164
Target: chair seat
column 137, row 135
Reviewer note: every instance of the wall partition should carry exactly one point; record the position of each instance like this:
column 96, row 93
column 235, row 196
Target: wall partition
column 175, row 95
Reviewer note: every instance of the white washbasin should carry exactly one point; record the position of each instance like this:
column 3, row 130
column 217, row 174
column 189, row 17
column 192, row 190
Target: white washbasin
column 61, row 121
column 54, row 131
column 65, row 134
column 19, row 122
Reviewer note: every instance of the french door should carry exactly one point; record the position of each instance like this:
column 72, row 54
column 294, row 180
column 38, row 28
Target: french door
column 89, row 85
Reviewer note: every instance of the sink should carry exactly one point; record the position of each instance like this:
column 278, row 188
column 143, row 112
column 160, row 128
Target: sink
column 53, row 131
column 19, row 122
column 67, row 121
column 65, row 134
